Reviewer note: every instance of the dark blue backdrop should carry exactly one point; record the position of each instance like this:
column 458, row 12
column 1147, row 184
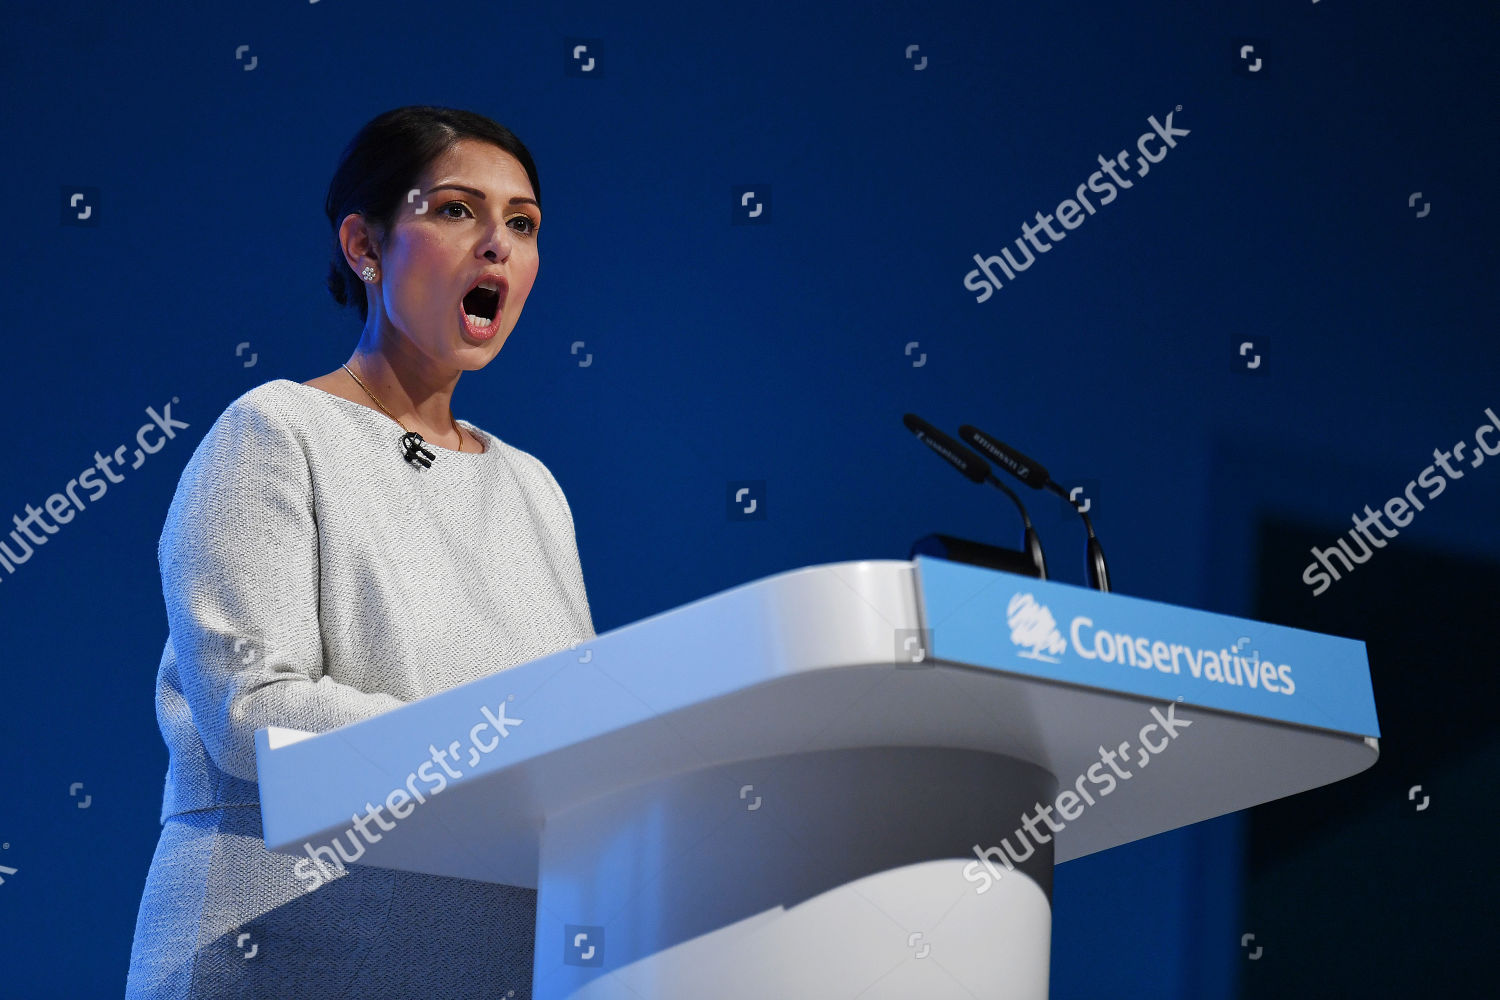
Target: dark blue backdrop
column 1333, row 207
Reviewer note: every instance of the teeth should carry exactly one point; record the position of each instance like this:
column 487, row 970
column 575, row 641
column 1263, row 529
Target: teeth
column 479, row 322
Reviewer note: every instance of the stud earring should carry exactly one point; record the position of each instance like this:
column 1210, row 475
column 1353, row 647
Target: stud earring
column 368, row 273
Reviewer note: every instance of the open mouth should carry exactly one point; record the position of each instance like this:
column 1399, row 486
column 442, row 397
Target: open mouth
column 481, row 306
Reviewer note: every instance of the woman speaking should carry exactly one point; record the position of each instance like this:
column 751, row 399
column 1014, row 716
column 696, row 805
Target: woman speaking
column 339, row 547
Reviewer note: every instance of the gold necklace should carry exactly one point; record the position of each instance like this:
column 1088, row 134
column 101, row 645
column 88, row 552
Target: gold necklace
column 411, row 441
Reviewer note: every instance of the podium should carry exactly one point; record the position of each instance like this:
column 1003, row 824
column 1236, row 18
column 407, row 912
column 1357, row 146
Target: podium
column 850, row 779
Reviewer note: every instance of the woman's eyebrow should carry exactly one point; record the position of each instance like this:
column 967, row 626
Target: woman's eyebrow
column 518, row 200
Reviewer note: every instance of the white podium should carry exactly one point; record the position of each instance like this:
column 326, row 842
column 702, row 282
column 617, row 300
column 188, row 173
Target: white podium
column 843, row 780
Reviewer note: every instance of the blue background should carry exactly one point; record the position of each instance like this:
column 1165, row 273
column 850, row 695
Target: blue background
column 777, row 352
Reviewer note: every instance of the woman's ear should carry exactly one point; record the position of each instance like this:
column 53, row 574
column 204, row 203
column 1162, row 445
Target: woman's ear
column 361, row 240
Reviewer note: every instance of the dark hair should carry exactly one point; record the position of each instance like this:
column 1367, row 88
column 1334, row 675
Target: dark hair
column 384, row 161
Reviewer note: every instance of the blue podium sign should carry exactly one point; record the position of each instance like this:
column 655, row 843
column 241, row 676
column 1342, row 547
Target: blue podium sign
column 1075, row 635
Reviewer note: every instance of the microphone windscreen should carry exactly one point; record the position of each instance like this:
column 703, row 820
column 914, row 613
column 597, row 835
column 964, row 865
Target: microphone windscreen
column 961, row 458
column 1028, row 471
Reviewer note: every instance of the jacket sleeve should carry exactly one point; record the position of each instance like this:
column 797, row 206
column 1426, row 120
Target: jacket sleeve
column 240, row 576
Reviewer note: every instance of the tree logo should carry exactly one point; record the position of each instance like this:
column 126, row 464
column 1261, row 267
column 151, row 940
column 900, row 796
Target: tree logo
column 1033, row 627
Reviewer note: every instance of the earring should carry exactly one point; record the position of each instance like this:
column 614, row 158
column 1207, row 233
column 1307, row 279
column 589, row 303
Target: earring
column 368, row 273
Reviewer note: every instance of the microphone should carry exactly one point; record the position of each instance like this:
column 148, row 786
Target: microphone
column 417, row 455
column 976, row 470
column 1034, row 474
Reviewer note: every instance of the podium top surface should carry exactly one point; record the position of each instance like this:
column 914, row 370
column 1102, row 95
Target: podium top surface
column 873, row 653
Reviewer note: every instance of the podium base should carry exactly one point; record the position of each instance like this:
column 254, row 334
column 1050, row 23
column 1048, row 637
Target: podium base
column 831, row 874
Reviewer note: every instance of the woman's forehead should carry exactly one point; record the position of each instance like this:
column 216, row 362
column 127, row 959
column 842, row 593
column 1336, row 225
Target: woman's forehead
column 480, row 165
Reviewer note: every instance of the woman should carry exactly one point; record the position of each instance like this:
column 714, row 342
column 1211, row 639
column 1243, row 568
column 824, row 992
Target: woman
column 339, row 547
